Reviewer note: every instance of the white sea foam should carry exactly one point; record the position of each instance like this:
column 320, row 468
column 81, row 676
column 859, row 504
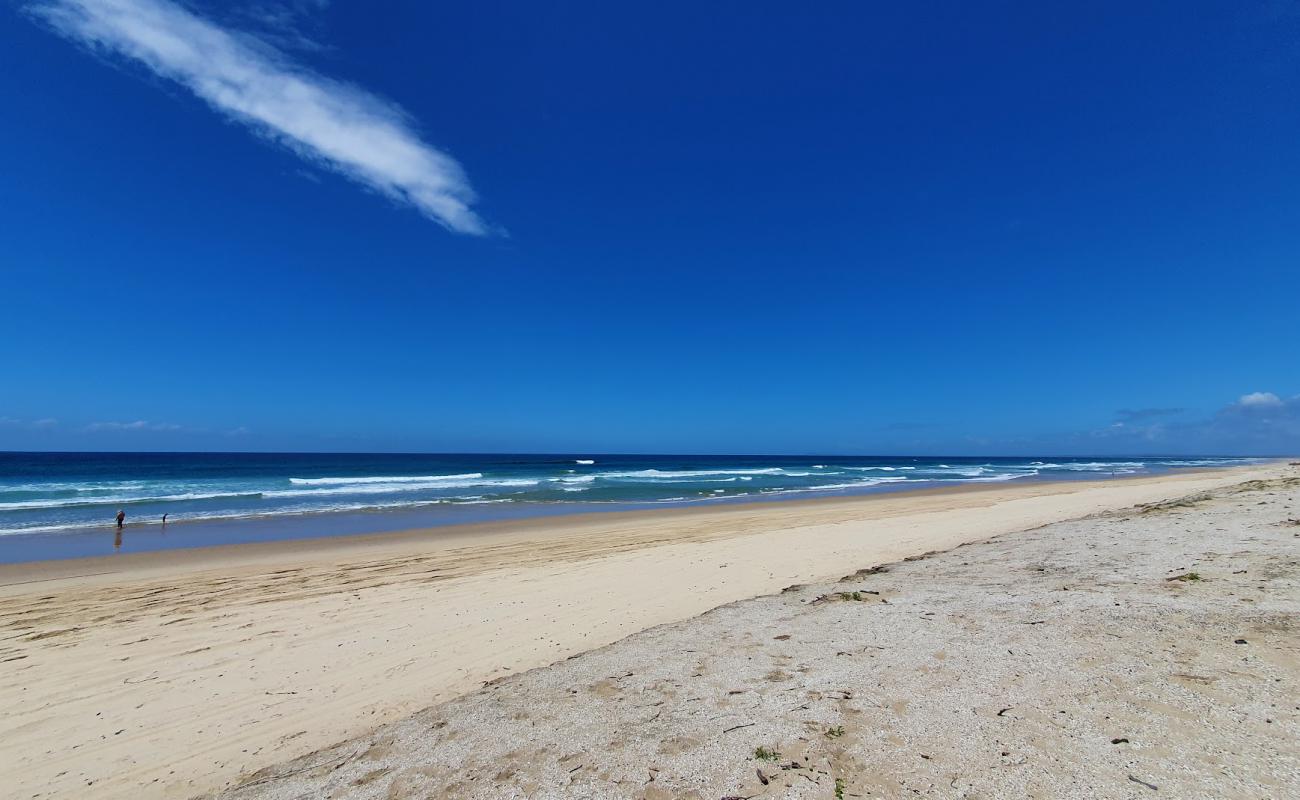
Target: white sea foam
column 881, row 468
column 1086, row 466
column 857, row 484
column 585, row 461
column 443, row 482
column 1010, row 476
column 669, row 481
column 383, row 479
column 283, row 511
column 967, row 472
column 94, row 486
column 688, row 473
column 1006, row 476
column 88, row 502
column 40, row 529
column 866, row 483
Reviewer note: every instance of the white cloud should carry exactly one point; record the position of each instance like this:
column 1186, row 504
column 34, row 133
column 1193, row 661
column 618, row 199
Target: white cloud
column 280, row 21
column 1256, row 423
column 138, row 425
column 323, row 120
column 1260, row 400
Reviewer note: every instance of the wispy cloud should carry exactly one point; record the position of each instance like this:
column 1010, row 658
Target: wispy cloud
column 908, row 426
column 1258, row 422
column 281, row 21
column 248, row 79
column 138, row 425
column 44, row 423
column 1125, row 415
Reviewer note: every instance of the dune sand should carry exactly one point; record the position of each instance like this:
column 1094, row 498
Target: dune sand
column 175, row 674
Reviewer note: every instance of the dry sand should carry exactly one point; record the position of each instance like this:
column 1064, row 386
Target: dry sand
column 169, row 675
column 1148, row 653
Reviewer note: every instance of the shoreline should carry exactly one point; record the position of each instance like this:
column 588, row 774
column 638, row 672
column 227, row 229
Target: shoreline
column 176, row 673
column 236, row 553
column 144, row 531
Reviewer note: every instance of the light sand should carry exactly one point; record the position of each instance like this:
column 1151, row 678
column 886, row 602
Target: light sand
column 171, row 674
column 1065, row 662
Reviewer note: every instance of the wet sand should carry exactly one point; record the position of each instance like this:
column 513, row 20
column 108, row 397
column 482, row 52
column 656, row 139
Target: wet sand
column 172, row 674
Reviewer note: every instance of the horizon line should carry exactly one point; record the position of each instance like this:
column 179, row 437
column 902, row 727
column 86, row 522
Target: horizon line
column 629, row 454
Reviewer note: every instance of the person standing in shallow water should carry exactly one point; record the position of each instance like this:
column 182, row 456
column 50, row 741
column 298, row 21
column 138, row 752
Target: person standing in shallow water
column 121, row 517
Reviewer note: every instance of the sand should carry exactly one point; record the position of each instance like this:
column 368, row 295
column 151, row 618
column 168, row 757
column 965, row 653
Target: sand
column 176, row 674
column 1145, row 653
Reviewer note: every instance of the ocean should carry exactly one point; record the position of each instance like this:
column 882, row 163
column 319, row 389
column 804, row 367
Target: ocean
column 60, row 505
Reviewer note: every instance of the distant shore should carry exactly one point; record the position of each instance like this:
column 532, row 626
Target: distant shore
column 173, row 673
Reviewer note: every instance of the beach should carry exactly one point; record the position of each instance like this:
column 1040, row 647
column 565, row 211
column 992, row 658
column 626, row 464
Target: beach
column 180, row 673
column 56, row 505
column 534, row 401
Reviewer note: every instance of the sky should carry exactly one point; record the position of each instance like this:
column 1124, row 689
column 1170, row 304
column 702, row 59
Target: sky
column 870, row 228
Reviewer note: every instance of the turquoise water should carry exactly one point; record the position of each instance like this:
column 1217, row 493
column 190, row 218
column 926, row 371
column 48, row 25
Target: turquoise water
column 59, row 504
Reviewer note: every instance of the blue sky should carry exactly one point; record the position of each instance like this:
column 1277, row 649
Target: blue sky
column 748, row 227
